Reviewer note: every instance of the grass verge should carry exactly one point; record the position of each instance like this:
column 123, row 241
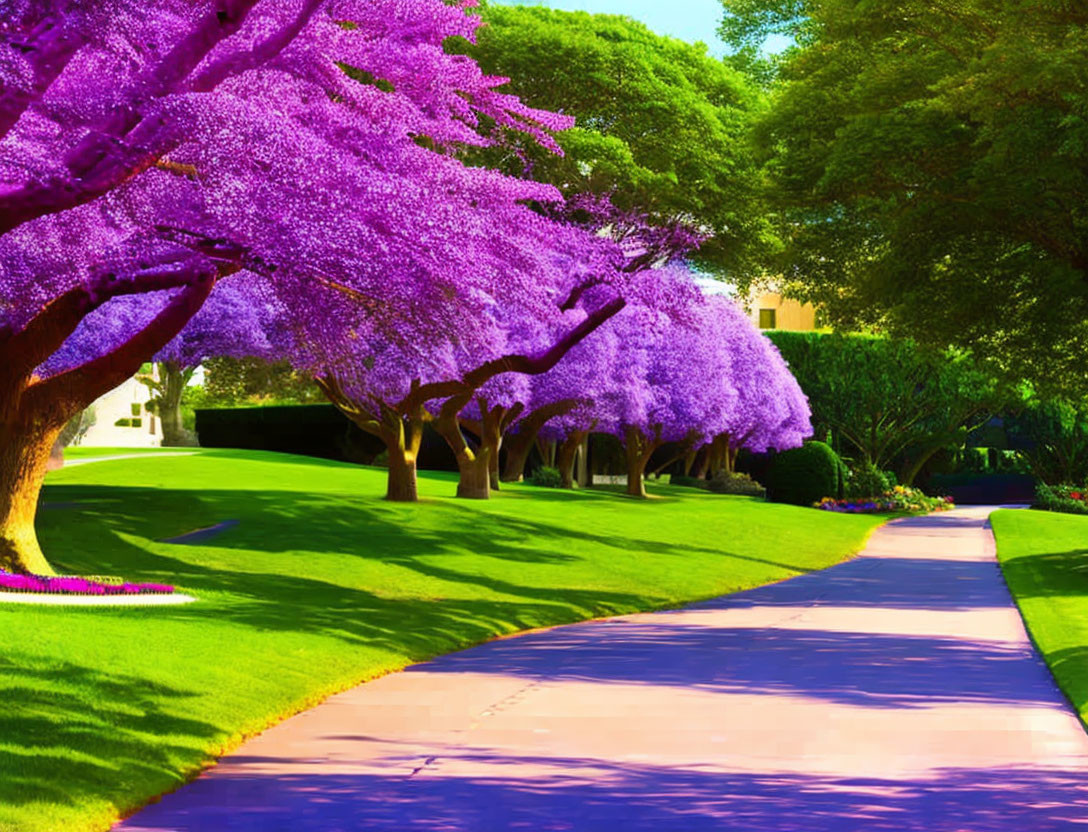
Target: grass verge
column 320, row 586
column 1045, row 559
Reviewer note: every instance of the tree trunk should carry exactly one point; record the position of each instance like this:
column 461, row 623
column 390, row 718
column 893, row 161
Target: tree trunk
column 702, row 463
column 403, row 437
column 689, row 461
column 568, row 454
column 33, row 411
column 401, row 433
column 475, row 480
column 731, row 458
column 638, row 448
column 493, row 467
column 24, row 453
column 172, row 385
column 635, row 486
column 547, row 450
column 474, row 466
column 401, row 486
column 518, row 446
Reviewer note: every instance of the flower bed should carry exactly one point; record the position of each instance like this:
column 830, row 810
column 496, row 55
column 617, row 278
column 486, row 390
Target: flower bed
column 900, row 498
column 71, row 585
column 1069, row 499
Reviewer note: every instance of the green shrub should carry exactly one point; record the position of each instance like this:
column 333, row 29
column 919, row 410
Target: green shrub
column 1067, row 499
column 1053, row 437
column 546, row 477
column 725, row 482
column 688, row 482
column 868, row 481
column 804, row 476
column 890, row 400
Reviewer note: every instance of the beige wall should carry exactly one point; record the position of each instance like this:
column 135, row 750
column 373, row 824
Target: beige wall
column 118, row 404
column 789, row 313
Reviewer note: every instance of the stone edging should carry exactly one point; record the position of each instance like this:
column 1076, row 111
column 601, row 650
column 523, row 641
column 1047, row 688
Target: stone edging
column 147, row 599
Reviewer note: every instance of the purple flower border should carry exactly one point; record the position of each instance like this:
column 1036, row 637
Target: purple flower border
column 70, row 585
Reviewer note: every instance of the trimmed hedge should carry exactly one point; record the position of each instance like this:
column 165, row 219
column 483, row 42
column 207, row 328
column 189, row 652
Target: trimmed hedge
column 983, row 489
column 804, row 476
column 318, row 430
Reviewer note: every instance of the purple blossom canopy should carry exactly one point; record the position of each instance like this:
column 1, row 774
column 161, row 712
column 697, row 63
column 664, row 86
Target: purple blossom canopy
column 304, row 140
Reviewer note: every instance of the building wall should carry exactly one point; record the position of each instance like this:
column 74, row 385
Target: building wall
column 788, row 313
column 129, row 401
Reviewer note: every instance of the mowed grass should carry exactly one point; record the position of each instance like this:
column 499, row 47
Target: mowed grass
column 320, row 586
column 1045, row 559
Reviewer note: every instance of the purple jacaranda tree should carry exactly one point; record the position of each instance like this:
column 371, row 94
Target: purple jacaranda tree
column 487, row 417
column 690, row 377
column 154, row 148
column 771, row 412
column 570, row 398
column 567, row 390
column 525, row 317
column 392, row 383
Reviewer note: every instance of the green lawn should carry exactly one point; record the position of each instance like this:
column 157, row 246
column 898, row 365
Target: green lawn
column 321, row 585
column 1045, row 559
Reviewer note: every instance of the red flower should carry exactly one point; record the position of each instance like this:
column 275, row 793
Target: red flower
column 1076, row 495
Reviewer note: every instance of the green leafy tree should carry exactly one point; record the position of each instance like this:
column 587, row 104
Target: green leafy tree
column 661, row 126
column 888, row 402
column 238, row 381
column 1053, row 436
column 930, row 169
column 167, row 384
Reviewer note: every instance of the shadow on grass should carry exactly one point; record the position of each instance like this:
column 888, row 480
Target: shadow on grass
column 294, row 524
column 118, row 726
column 287, row 521
column 1048, row 575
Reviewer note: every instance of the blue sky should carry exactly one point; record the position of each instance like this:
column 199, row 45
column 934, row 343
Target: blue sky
column 689, row 20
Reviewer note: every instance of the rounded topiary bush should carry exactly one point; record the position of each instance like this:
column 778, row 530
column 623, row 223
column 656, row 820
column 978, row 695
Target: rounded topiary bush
column 804, row 476
column 726, row 482
column 868, row 481
column 546, row 477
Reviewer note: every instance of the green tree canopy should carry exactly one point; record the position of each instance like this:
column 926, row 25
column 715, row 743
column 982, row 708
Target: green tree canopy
column 930, row 167
column 661, row 126
column 889, row 401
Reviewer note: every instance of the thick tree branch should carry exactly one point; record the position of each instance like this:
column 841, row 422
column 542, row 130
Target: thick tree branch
column 81, row 385
column 238, row 62
column 129, row 141
column 48, row 330
column 541, row 363
column 536, row 419
column 529, row 365
column 47, row 47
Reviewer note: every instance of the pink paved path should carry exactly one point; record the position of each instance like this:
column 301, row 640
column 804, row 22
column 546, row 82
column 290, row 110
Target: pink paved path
column 897, row 691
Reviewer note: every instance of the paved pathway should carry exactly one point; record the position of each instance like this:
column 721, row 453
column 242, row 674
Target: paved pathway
column 894, row 693
column 86, row 460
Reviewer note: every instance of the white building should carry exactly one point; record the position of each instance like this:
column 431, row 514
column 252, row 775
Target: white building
column 121, row 419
